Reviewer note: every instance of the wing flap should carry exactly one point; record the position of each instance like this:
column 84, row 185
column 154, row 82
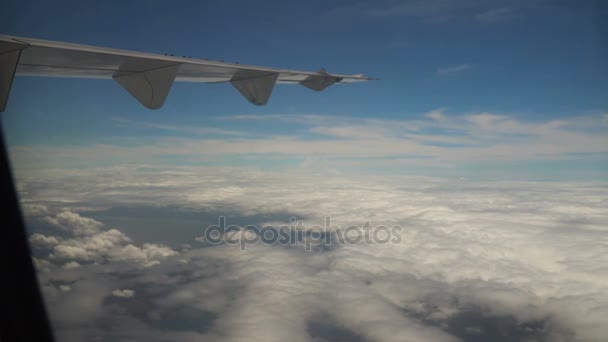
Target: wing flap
column 255, row 86
column 321, row 81
column 149, row 87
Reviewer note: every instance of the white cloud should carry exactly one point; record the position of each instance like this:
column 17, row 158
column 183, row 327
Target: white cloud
column 124, row 293
column 89, row 244
column 535, row 253
column 65, row 288
column 147, row 255
column 74, row 223
column 71, row 265
column 42, row 265
column 32, row 210
column 485, row 121
column 43, row 241
column 436, row 114
column 179, row 129
column 200, row 239
column 435, row 139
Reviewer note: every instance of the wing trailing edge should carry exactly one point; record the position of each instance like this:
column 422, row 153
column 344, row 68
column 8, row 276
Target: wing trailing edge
column 147, row 77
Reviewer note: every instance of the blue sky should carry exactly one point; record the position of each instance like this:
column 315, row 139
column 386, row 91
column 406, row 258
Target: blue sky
column 522, row 65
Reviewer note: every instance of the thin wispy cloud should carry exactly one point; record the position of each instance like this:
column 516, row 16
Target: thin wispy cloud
column 496, row 15
column 436, row 114
column 417, row 8
column 196, row 130
column 454, row 69
column 441, row 139
column 441, row 11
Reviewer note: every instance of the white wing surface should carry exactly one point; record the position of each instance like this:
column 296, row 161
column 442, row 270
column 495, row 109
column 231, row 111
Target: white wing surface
column 147, row 77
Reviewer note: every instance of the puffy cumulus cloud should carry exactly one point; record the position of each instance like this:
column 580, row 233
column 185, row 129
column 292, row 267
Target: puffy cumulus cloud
column 473, row 260
column 124, row 293
column 75, row 224
column 71, row 264
column 88, row 244
column 42, row 240
column 42, row 265
column 32, row 210
column 147, row 255
column 65, row 288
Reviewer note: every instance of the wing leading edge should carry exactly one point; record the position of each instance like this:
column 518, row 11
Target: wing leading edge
column 147, row 77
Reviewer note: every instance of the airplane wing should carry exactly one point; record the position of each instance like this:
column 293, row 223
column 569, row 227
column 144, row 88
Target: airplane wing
column 147, row 77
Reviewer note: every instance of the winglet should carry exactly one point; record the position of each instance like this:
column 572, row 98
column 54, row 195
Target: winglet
column 255, row 86
column 149, row 87
column 9, row 57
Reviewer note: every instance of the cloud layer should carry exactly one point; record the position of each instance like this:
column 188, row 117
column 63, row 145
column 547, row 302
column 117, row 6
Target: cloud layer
column 518, row 261
column 431, row 142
